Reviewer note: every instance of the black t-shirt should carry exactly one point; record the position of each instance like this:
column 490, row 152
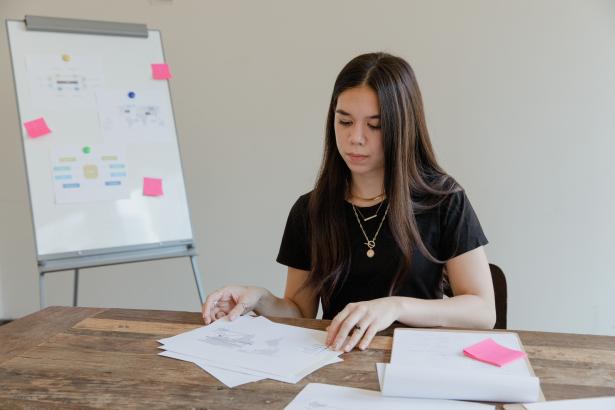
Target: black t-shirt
column 447, row 230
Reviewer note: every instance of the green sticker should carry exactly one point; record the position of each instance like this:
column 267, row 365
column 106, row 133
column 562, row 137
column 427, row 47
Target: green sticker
column 87, row 150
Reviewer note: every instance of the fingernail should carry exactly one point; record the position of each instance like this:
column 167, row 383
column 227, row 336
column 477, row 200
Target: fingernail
column 347, row 348
column 362, row 347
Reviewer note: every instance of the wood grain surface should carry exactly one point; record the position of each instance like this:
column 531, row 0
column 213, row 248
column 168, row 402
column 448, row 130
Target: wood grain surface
column 70, row 358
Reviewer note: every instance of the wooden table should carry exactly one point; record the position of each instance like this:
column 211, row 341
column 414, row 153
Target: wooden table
column 64, row 357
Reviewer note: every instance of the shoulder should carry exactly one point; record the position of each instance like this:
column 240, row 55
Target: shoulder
column 457, row 213
column 302, row 203
column 300, row 209
column 454, row 200
column 437, row 194
column 455, row 206
column 447, row 203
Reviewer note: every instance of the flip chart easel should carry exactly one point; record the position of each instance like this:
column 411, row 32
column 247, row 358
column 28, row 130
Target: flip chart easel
column 108, row 132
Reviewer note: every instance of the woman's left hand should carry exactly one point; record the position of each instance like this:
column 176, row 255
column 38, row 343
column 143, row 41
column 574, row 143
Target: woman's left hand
column 359, row 322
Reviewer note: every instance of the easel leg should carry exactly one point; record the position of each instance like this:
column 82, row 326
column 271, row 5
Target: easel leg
column 41, row 289
column 76, row 287
column 197, row 278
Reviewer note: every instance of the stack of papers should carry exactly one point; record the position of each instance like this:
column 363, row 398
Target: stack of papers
column 251, row 348
column 327, row 396
column 596, row 403
column 431, row 364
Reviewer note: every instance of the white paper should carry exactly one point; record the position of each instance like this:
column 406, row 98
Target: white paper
column 279, row 351
column 407, row 381
column 234, row 376
column 330, row 397
column 56, row 84
column 228, row 377
column 431, row 364
column 380, row 369
column 598, row 403
column 146, row 117
column 444, row 349
column 99, row 175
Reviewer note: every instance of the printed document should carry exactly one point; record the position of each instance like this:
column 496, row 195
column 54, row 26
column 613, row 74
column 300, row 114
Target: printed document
column 253, row 346
column 596, row 403
column 330, row 397
column 431, row 364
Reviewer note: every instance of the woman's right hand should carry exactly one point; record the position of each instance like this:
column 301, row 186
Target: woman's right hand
column 231, row 301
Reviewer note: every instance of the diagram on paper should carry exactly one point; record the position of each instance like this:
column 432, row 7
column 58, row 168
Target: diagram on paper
column 63, row 81
column 243, row 342
column 135, row 116
column 88, row 174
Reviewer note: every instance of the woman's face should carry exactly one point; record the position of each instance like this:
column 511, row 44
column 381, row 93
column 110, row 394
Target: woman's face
column 357, row 131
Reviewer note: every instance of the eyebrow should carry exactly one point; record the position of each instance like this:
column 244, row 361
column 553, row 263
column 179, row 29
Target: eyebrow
column 345, row 113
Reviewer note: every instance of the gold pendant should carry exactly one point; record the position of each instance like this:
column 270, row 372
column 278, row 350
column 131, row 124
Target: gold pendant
column 370, row 253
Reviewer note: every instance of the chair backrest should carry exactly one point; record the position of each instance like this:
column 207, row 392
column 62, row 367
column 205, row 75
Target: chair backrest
column 500, row 290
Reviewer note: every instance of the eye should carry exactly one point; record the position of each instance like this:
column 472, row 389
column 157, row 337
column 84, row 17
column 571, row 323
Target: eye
column 344, row 123
column 374, row 127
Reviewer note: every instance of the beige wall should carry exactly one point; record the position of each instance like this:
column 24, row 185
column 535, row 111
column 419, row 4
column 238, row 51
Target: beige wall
column 520, row 99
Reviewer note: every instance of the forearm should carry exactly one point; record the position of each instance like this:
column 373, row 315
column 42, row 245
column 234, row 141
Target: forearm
column 465, row 311
column 271, row 305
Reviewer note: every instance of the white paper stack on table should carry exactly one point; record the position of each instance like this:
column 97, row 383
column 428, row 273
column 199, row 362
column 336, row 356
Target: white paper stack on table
column 252, row 348
column 431, row 364
column 594, row 403
column 327, row 396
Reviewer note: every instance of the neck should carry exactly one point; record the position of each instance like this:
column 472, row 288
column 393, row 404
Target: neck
column 365, row 187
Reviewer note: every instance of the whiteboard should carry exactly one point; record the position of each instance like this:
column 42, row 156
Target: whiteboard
column 115, row 111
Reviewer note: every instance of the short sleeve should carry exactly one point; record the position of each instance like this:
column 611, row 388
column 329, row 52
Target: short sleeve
column 294, row 249
column 461, row 231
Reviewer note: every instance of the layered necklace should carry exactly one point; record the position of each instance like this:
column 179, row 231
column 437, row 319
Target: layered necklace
column 374, row 198
column 365, row 219
column 371, row 244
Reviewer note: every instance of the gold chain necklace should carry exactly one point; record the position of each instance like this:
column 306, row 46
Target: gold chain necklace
column 368, row 199
column 370, row 217
column 370, row 244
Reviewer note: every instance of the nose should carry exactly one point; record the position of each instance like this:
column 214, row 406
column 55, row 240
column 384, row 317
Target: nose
column 357, row 136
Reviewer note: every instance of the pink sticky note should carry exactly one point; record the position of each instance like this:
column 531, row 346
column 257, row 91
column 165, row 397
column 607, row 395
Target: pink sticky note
column 37, row 127
column 489, row 351
column 161, row 71
column 152, row 187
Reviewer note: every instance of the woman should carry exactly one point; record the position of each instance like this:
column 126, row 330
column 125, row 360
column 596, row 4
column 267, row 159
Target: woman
column 371, row 240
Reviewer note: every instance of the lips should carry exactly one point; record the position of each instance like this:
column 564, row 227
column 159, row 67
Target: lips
column 356, row 157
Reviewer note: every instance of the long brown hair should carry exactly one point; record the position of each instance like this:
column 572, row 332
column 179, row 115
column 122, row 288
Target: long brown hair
column 413, row 180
